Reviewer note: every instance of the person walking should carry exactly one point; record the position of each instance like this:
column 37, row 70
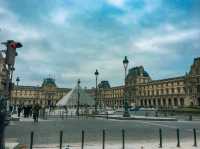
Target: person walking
column 19, row 110
column 36, row 109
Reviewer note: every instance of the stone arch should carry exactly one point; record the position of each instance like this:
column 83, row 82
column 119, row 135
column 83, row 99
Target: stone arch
column 169, row 102
column 141, row 103
column 145, row 102
column 182, row 102
column 175, row 102
column 150, row 103
column 164, row 102
column 154, row 102
column 159, row 102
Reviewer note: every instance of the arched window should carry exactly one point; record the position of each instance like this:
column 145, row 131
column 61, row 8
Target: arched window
column 159, row 102
column 164, row 102
column 182, row 101
column 145, row 102
column 175, row 102
column 150, row 102
column 141, row 102
column 169, row 102
column 154, row 102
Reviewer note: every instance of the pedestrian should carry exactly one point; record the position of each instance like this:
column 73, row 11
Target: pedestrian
column 36, row 109
column 19, row 110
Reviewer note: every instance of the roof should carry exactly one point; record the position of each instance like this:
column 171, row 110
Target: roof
column 27, row 87
column 168, row 79
column 104, row 84
column 49, row 82
column 137, row 71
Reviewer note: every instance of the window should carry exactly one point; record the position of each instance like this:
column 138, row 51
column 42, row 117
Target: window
column 145, row 102
column 167, row 91
column 182, row 102
column 154, row 102
column 169, row 102
column 159, row 102
column 141, row 102
column 149, row 102
column 164, row 102
column 172, row 90
column 178, row 90
column 198, row 89
column 157, row 92
column 175, row 102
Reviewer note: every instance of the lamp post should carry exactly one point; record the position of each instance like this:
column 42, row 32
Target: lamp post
column 96, row 75
column 17, row 80
column 78, row 101
column 126, row 112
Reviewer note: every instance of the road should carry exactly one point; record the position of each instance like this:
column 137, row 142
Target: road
column 48, row 131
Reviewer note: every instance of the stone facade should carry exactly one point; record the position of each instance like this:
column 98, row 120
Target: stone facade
column 47, row 94
column 142, row 91
column 111, row 97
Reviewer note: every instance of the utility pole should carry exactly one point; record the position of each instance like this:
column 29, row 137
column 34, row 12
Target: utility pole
column 10, row 53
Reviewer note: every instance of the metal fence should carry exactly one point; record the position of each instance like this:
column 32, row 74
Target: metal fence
column 61, row 144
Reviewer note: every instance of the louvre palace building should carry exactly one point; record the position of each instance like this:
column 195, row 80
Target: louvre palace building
column 48, row 94
column 142, row 91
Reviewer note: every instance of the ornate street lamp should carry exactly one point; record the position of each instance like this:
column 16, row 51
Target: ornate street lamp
column 78, row 101
column 126, row 112
column 17, row 80
column 96, row 75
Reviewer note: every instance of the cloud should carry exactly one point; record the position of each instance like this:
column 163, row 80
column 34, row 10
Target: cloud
column 12, row 28
column 116, row 3
column 160, row 41
column 60, row 16
column 74, row 38
column 33, row 55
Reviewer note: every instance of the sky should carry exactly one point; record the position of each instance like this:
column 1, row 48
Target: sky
column 70, row 39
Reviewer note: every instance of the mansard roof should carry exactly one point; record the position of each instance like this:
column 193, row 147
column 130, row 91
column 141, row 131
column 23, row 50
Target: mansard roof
column 138, row 71
column 168, row 79
column 24, row 87
column 104, row 84
column 49, row 82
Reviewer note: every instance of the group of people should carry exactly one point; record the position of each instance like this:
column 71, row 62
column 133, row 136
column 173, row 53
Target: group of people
column 28, row 111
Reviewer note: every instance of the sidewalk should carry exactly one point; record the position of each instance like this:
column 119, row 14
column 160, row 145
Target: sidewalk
column 14, row 117
column 150, row 118
column 11, row 145
column 118, row 145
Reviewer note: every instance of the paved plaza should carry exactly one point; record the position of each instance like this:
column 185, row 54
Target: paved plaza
column 136, row 132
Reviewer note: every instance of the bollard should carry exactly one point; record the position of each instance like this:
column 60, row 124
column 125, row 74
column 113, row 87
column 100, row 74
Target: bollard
column 103, row 139
column 123, row 139
column 31, row 143
column 195, row 137
column 82, row 140
column 178, row 137
column 160, row 136
column 61, row 138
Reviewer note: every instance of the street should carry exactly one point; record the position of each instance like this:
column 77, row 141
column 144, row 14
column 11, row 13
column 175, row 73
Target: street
column 47, row 132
